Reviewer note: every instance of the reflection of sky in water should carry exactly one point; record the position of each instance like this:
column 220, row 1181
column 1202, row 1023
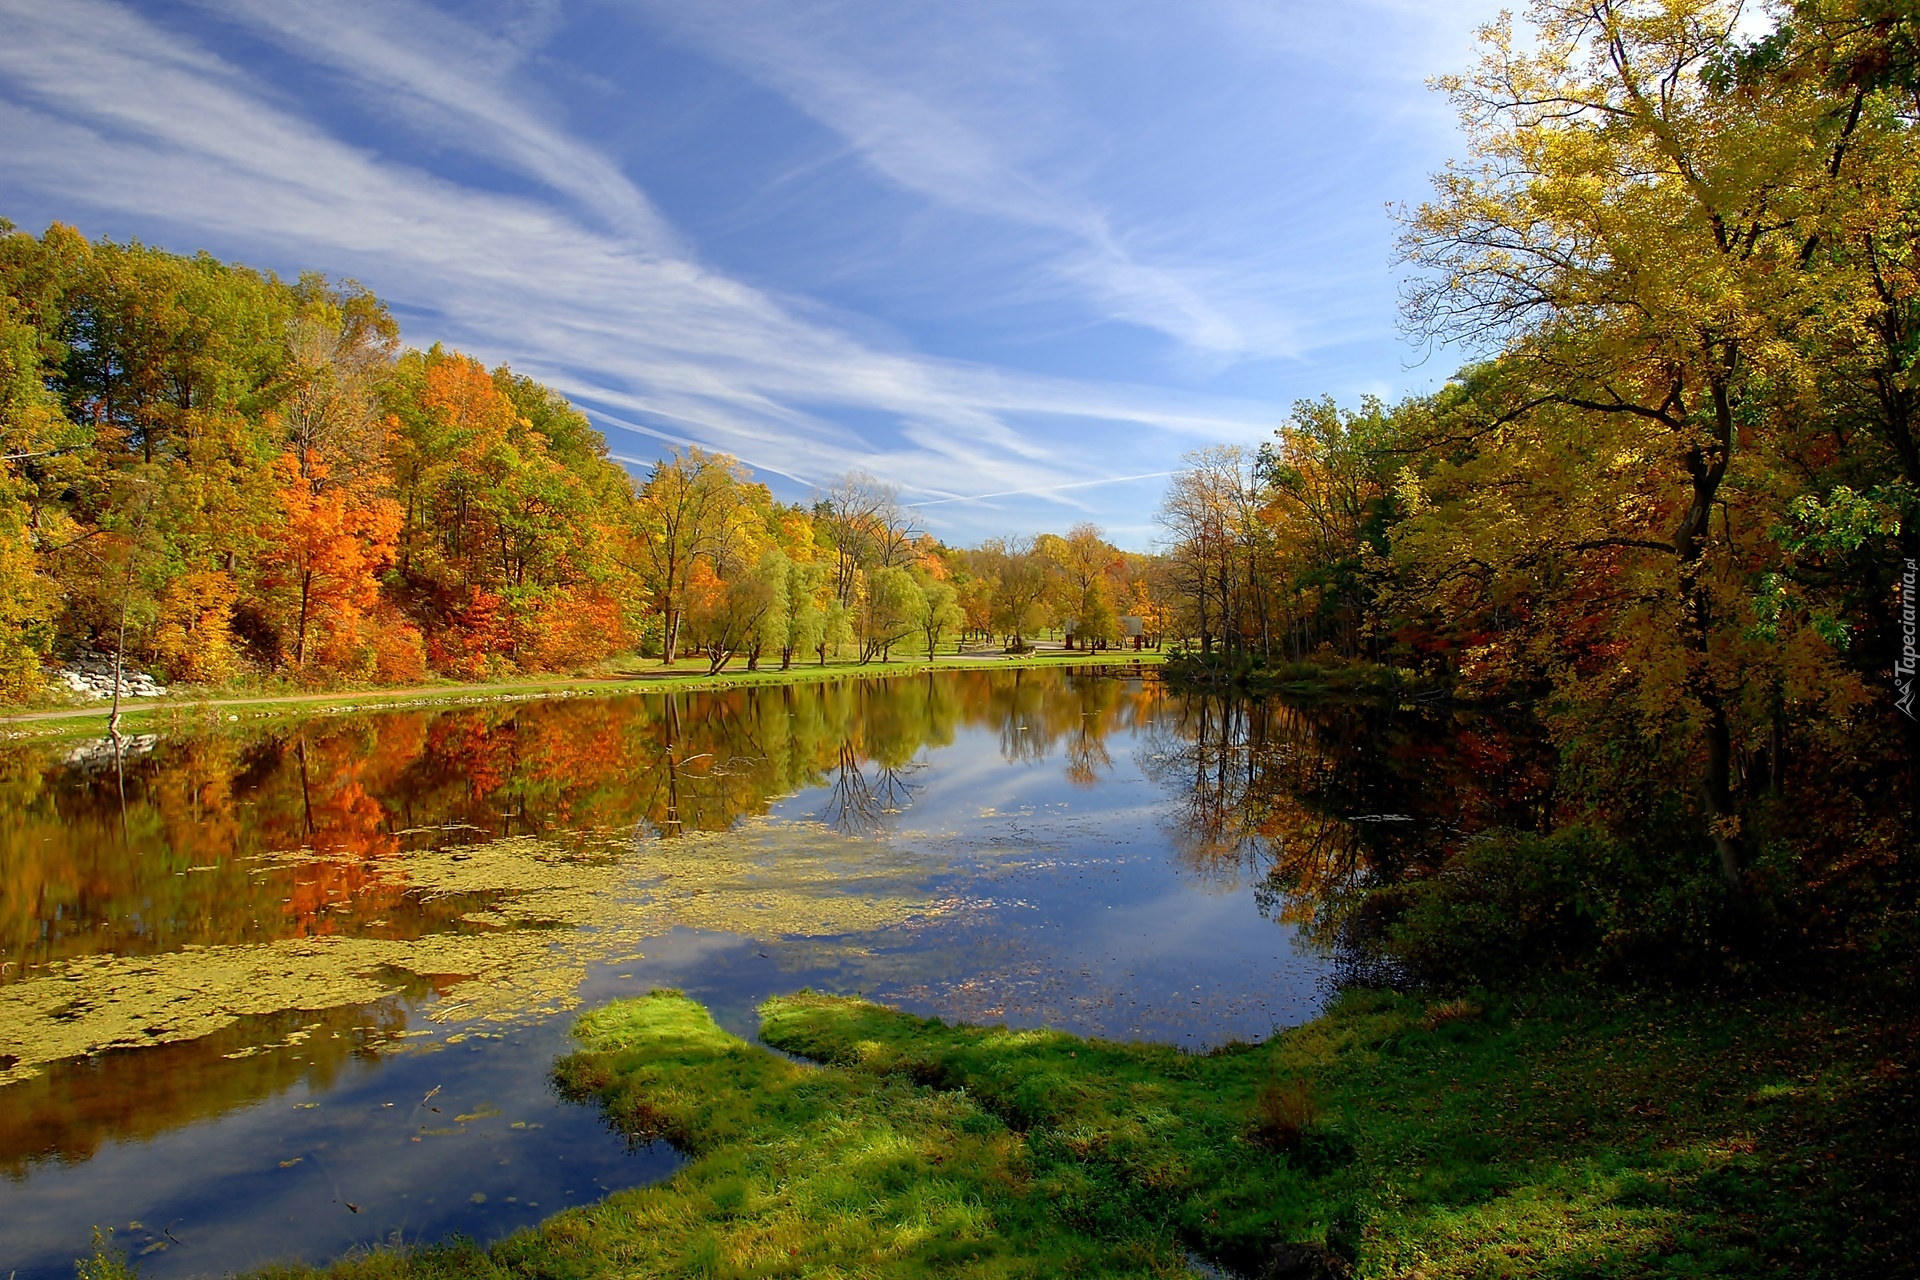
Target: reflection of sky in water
column 1041, row 889
column 1094, row 927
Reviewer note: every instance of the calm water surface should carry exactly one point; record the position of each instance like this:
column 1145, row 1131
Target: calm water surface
column 282, row 993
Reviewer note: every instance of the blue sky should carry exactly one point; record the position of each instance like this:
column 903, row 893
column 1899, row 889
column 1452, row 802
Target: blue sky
column 1016, row 258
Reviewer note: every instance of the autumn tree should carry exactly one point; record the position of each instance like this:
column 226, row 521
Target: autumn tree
column 1327, row 501
column 739, row 605
column 1623, row 233
column 512, row 516
column 684, row 506
column 340, row 348
column 323, row 563
column 862, row 520
column 1083, row 561
column 1214, row 545
column 803, row 620
column 1674, row 493
column 1022, row 579
column 31, row 431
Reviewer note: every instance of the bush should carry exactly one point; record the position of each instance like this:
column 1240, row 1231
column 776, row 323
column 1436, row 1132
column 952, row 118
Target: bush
column 398, row 651
column 1513, row 904
column 1283, row 1113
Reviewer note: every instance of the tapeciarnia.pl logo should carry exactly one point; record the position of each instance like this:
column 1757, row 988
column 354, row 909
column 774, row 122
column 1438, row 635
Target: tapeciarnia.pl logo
column 1909, row 659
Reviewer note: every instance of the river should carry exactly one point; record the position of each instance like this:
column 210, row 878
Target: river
column 291, row 988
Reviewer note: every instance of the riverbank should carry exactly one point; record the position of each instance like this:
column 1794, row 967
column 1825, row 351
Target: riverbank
column 181, row 712
column 1531, row 1135
column 1324, row 677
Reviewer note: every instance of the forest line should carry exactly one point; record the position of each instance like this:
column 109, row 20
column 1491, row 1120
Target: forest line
column 226, row 476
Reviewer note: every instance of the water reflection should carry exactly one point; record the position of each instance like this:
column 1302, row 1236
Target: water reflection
column 1311, row 804
column 166, row 851
column 229, row 953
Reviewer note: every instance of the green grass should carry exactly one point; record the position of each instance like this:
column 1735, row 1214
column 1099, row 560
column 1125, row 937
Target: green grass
column 196, row 708
column 1561, row 1137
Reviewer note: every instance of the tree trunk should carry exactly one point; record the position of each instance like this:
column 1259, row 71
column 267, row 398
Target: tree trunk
column 1707, row 467
column 119, row 660
column 300, row 638
column 1726, row 834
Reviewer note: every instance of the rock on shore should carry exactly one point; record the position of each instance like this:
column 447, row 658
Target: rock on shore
column 91, row 674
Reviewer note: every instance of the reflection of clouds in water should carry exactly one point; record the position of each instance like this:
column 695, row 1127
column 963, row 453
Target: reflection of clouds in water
column 244, row 1184
column 1131, row 963
column 1077, row 919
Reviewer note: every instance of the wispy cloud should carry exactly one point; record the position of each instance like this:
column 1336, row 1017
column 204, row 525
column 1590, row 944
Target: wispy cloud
column 456, row 86
column 1239, row 250
column 960, row 110
column 578, row 280
column 1401, row 39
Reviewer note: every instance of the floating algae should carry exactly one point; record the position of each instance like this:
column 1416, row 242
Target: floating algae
column 548, row 909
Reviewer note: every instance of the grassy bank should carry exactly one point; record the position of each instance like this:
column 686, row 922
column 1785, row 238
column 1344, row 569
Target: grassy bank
column 1326, row 677
column 1528, row 1136
column 199, row 709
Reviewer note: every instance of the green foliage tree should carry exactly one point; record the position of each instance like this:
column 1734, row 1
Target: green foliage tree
column 889, row 611
column 803, row 620
column 938, row 613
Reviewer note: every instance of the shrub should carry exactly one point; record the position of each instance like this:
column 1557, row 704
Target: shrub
column 1448, row 1011
column 1283, row 1113
column 399, row 653
column 1513, row 904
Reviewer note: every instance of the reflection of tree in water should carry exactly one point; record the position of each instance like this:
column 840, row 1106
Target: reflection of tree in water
column 162, row 852
column 1027, row 732
column 857, row 805
column 1316, row 804
column 1087, row 755
column 1036, row 712
column 70, row 1110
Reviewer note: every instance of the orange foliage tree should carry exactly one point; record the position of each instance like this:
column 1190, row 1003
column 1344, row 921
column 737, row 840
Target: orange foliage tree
column 322, row 566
